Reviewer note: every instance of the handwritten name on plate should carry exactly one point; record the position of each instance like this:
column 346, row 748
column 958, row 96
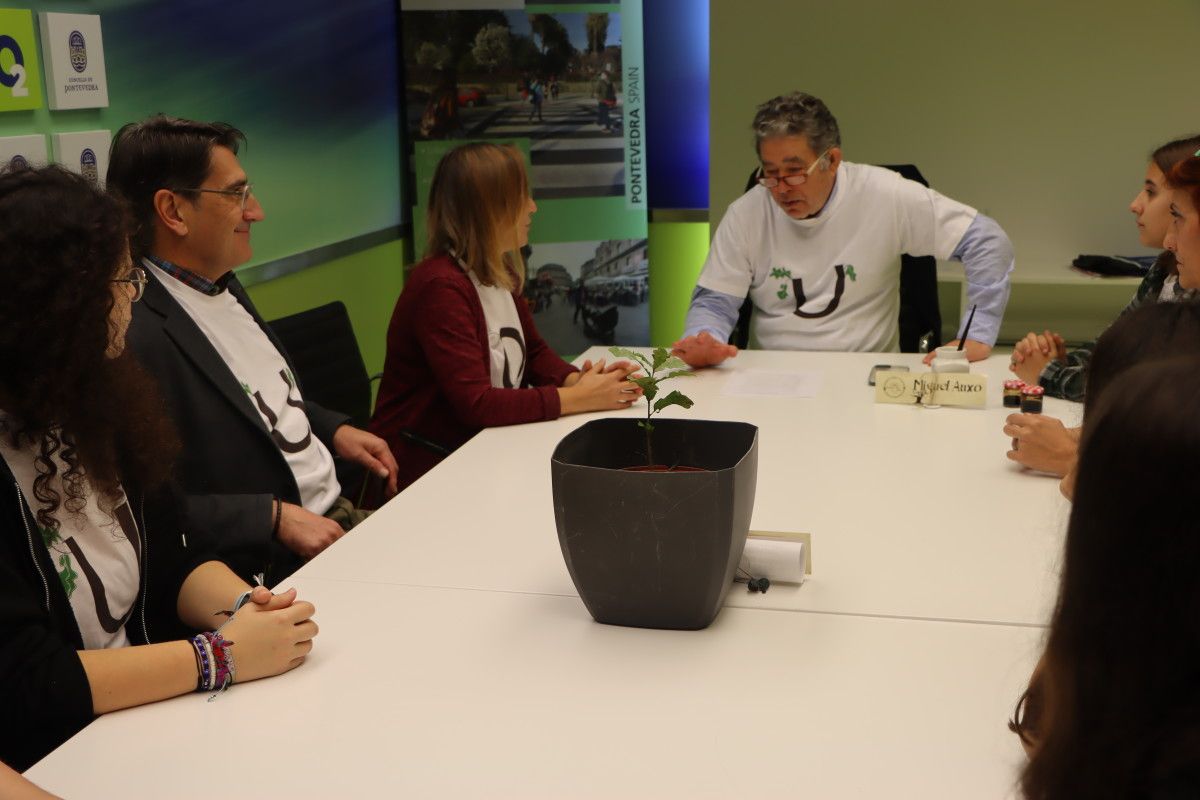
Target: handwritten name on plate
column 947, row 389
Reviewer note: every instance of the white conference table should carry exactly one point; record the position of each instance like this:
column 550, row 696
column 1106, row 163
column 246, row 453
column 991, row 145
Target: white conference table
column 914, row 512
column 441, row 693
column 455, row 659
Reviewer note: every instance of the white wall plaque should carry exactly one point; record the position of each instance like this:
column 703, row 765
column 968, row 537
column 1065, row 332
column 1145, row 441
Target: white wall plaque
column 85, row 152
column 73, row 52
column 28, row 149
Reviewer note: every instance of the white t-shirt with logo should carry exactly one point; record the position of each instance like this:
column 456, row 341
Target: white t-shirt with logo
column 506, row 340
column 839, row 269
column 268, row 383
column 96, row 553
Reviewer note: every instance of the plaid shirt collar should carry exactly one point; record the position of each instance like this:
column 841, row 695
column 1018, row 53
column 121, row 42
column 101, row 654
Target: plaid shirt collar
column 189, row 278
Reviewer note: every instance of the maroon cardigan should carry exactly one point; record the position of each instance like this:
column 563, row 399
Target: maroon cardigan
column 437, row 376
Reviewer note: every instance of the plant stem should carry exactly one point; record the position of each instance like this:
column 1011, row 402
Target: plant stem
column 649, row 434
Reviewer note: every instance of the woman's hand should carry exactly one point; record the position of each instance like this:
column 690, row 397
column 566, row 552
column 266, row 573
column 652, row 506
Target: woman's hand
column 627, row 368
column 598, row 388
column 1031, row 355
column 270, row 638
column 1042, row 443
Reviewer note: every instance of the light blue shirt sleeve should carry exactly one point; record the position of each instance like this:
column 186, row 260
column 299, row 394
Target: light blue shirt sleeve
column 712, row 311
column 987, row 258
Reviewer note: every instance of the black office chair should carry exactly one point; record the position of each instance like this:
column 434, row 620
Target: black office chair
column 324, row 352
column 919, row 309
column 329, row 366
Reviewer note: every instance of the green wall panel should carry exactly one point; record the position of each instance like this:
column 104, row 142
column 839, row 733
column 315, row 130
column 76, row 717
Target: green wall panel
column 677, row 253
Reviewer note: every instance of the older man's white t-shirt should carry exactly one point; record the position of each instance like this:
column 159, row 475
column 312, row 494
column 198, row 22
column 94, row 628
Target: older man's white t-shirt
column 831, row 282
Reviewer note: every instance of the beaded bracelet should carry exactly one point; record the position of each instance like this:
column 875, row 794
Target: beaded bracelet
column 214, row 662
column 204, row 668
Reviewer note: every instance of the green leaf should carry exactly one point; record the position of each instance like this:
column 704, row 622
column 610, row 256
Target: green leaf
column 645, row 383
column 661, row 356
column 675, row 362
column 682, row 373
column 674, row 399
column 625, row 352
column 651, row 392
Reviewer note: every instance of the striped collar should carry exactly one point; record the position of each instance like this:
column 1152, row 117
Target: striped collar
column 189, row 278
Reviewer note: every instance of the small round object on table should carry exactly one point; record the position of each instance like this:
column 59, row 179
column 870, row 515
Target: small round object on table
column 1031, row 399
column 1012, row 393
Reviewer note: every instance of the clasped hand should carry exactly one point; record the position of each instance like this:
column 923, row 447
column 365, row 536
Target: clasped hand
column 271, row 634
column 599, row 387
column 1031, row 355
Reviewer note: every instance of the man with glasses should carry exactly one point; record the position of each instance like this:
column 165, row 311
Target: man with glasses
column 816, row 247
column 257, row 459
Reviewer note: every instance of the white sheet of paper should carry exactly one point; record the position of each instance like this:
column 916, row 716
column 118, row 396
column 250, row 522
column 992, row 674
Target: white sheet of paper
column 774, row 384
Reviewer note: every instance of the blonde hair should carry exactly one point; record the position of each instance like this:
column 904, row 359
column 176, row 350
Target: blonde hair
column 478, row 194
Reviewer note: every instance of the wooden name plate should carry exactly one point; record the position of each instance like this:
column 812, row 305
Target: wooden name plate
column 964, row 389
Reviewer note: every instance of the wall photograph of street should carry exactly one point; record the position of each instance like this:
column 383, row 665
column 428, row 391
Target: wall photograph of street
column 589, row 293
column 552, row 78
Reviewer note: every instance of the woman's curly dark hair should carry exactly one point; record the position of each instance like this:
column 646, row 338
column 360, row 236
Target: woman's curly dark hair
column 62, row 242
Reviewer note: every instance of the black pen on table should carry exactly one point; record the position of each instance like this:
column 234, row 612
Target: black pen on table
column 967, row 329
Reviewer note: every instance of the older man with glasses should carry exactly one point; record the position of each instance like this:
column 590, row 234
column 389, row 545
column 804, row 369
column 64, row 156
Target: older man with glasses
column 816, row 247
column 257, row 459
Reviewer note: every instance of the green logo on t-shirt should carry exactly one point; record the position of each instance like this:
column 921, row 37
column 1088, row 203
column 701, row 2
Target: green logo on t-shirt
column 850, row 272
column 781, row 272
column 67, row 574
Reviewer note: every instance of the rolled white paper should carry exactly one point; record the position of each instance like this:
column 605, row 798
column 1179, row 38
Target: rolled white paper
column 781, row 561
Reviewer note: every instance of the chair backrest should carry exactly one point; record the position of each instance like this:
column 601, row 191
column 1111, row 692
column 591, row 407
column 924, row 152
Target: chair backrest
column 919, row 309
column 329, row 366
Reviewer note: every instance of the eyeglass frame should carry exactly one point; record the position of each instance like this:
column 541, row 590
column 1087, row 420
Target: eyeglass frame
column 245, row 191
column 799, row 179
column 137, row 278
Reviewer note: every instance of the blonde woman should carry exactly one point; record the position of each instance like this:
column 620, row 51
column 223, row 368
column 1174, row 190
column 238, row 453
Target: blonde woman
column 462, row 350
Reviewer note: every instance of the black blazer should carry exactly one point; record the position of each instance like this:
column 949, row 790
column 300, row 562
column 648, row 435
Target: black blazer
column 230, row 468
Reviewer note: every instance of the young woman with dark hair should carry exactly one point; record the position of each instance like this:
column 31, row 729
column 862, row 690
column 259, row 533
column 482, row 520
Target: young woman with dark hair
column 1183, row 236
column 1043, row 443
column 1043, row 359
column 94, row 559
column 463, row 353
column 1113, row 710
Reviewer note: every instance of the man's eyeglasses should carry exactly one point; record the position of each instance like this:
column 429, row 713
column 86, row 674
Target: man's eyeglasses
column 799, row 179
column 243, row 193
column 137, row 279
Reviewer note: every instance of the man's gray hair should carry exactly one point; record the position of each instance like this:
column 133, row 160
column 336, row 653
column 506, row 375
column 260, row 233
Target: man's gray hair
column 797, row 114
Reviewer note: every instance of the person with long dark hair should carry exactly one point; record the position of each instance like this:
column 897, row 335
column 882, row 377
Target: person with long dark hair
column 463, row 352
column 1113, row 710
column 1043, row 359
column 1043, row 442
column 1183, row 237
column 99, row 583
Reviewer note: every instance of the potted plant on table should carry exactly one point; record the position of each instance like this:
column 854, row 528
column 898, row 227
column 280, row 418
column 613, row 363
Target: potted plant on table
column 649, row 544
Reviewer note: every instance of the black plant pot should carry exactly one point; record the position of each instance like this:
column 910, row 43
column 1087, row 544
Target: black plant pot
column 654, row 549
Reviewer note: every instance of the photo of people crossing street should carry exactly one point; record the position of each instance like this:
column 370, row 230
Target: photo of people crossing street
column 554, row 79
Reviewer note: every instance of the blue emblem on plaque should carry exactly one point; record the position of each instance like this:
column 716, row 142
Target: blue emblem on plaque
column 87, row 165
column 10, row 44
column 18, row 162
column 78, row 50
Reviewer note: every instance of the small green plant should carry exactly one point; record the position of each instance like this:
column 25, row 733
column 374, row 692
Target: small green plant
column 659, row 367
